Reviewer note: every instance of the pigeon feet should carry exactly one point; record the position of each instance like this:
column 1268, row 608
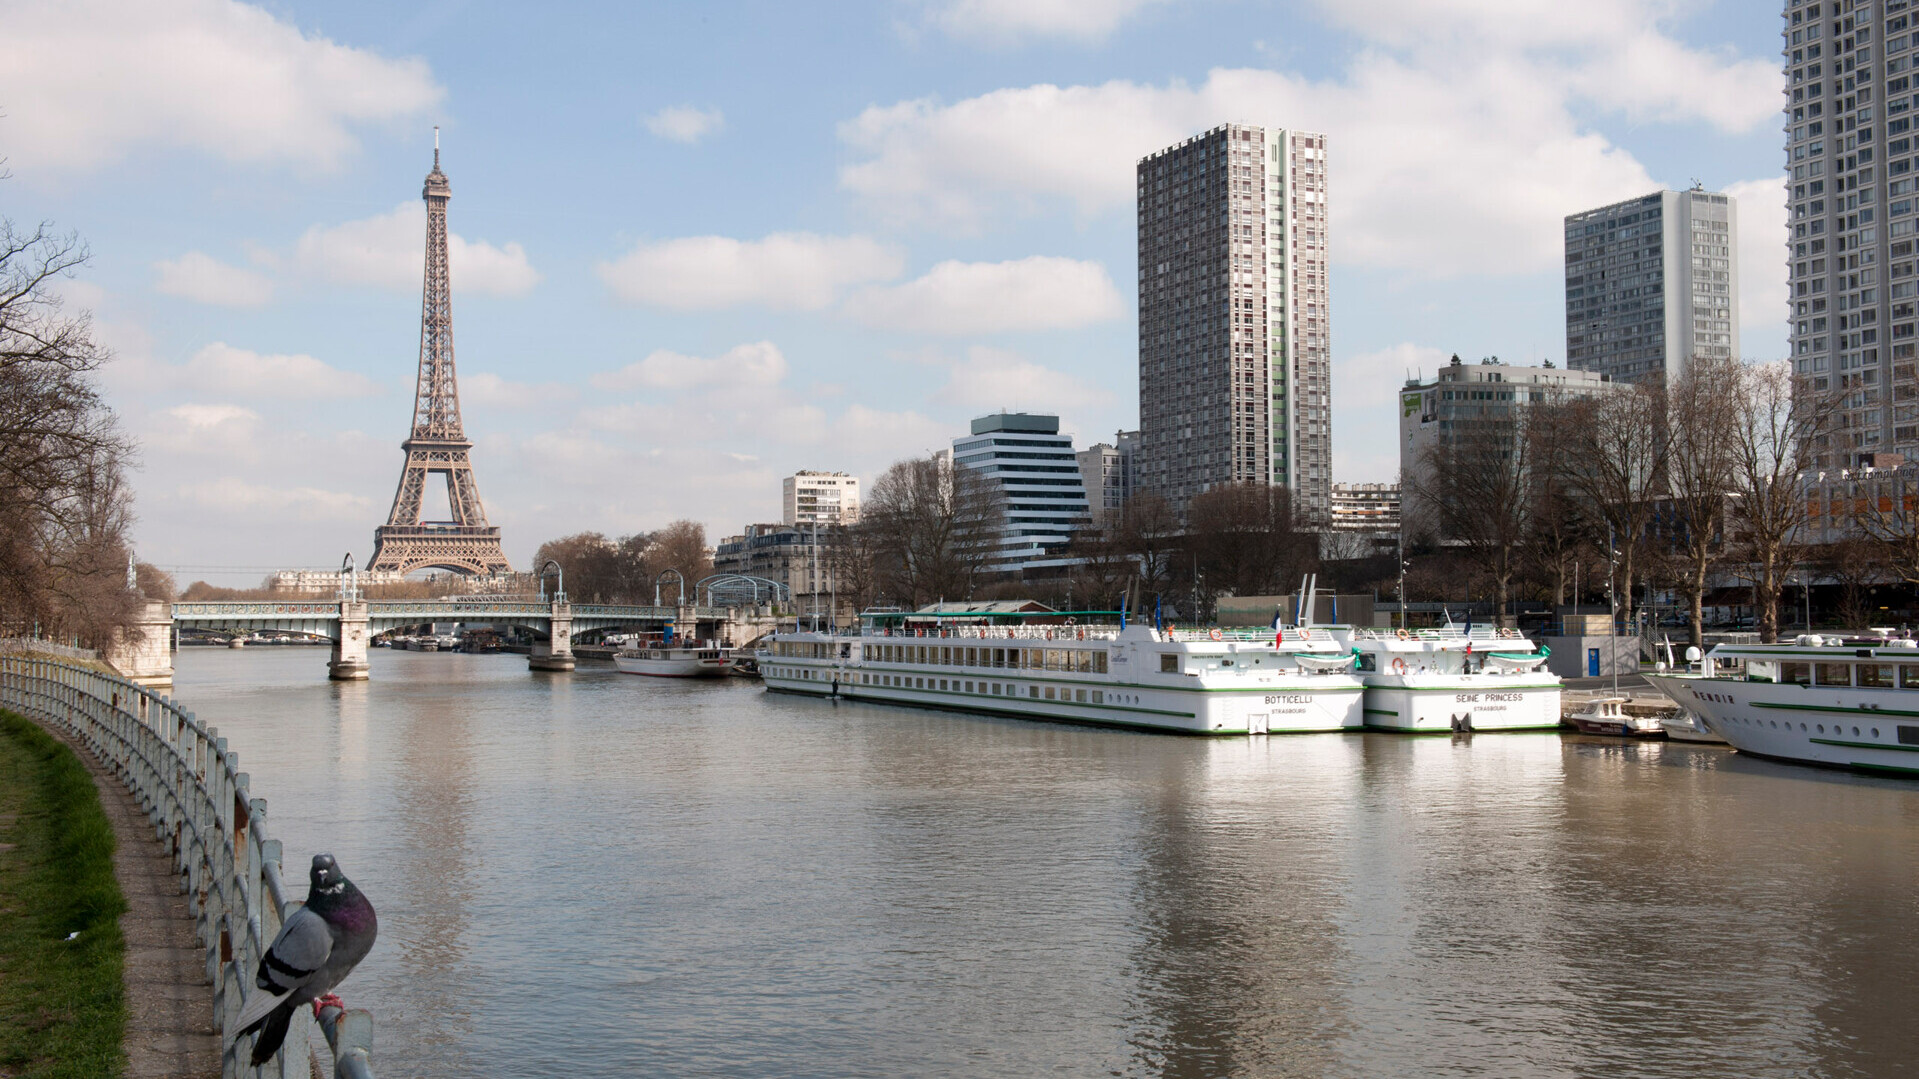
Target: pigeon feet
column 331, row 1000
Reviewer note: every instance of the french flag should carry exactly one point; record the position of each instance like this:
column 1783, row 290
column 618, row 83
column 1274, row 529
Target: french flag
column 1279, row 634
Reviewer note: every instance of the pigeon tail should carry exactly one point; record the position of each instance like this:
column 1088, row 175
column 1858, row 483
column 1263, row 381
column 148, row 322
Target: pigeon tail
column 272, row 1033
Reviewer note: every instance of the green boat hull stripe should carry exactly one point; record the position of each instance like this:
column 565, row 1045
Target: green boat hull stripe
column 1834, row 708
column 1862, row 745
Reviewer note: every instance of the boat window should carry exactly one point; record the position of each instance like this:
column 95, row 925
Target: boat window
column 1049, row 693
column 1168, row 663
column 1909, row 676
column 1085, row 662
column 1757, row 671
column 1368, row 661
column 1099, row 662
column 999, row 657
column 1834, row 674
column 1798, row 674
column 1876, row 675
column 1908, row 736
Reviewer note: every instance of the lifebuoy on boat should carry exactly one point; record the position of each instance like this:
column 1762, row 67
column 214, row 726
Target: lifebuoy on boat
column 1082, row 634
column 1403, row 635
column 1509, row 634
column 1217, row 635
column 1399, row 665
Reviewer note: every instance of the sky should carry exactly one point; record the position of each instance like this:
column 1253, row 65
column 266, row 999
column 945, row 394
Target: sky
column 698, row 247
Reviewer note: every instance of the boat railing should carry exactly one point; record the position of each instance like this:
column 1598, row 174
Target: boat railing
column 1249, row 633
column 1443, row 633
column 992, row 633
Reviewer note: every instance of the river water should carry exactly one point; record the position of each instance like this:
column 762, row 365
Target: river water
column 601, row 875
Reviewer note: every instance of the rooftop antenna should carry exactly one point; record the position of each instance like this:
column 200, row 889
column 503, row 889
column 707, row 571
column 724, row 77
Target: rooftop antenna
column 436, row 146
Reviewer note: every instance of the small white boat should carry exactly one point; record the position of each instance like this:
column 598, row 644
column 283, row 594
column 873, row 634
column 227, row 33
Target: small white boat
column 706, row 660
column 1687, row 727
column 1607, row 715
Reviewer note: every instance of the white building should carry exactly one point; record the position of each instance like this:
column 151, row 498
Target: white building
column 1106, row 471
column 820, row 498
column 1429, row 409
column 1851, row 200
column 1033, row 472
column 1651, row 283
column 1235, row 330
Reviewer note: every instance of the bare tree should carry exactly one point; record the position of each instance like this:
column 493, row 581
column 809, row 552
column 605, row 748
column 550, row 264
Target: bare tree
column 681, row 545
column 1245, row 539
column 937, row 525
column 64, row 505
column 1477, row 482
column 1777, row 427
column 1701, row 469
column 1620, row 442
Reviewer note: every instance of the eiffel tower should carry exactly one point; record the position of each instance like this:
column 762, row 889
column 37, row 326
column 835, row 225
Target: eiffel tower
column 438, row 444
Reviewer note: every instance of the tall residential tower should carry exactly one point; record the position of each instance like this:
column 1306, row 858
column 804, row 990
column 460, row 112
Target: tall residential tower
column 1651, row 283
column 1850, row 195
column 1234, row 328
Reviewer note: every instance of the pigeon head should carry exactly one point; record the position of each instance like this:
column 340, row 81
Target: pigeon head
column 326, row 877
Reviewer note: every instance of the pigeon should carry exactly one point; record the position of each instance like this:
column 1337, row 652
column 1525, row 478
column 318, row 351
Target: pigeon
column 316, row 949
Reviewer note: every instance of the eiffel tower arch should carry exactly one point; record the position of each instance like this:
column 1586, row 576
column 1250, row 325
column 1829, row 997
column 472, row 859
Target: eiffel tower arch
column 438, row 445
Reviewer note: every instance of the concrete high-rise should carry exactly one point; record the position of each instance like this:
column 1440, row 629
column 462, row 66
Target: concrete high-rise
column 1850, row 198
column 1235, row 378
column 1651, row 283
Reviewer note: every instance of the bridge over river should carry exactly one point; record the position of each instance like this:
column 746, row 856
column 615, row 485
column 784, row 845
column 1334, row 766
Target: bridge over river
column 352, row 624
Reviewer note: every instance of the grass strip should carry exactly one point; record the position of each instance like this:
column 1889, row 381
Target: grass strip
column 62, row 1002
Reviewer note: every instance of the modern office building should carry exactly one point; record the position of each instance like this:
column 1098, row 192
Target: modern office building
column 1106, row 470
column 1033, row 474
column 1651, row 283
column 1850, row 187
column 1430, row 410
column 820, row 498
column 1234, row 325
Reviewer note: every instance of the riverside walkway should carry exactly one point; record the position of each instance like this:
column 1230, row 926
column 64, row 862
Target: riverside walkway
column 170, row 1032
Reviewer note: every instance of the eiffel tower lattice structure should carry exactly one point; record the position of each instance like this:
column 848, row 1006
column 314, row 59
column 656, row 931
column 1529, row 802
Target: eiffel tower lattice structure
column 438, row 445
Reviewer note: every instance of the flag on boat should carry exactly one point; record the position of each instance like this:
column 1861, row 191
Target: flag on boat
column 1279, row 634
column 1469, row 631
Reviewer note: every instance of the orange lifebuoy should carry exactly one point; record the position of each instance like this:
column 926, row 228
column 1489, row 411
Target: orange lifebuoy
column 1217, row 635
column 1403, row 635
column 1082, row 634
column 1399, row 665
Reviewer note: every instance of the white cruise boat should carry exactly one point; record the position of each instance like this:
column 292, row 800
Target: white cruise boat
column 1849, row 702
column 1198, row 682
column 659, row 660
column 1426, row 680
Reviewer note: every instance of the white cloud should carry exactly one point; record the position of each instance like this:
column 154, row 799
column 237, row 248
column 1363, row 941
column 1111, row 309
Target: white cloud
column 685, row 123
column 789, row 271
column 221, row 368
column 1761, row 205
column 992, row 378
column 740, row 367
column 89, row 80
column 1012, row 20
column 1613, row 53
column 492, row 391
column 1452, row 150
column 1036, row 293
column 231, row 495
column 1365, row 409
column 202, row 278
column 389, row 251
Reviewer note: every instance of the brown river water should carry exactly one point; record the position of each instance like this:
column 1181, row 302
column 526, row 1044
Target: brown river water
column 597, row 874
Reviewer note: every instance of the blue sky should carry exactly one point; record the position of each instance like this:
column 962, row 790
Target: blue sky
column 699, row 247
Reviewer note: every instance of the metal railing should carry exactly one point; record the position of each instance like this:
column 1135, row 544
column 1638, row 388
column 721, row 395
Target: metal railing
column 198, row 801
column 36, row 644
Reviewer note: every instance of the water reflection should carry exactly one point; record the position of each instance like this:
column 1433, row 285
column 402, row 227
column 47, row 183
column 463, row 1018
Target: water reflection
column 603, row 875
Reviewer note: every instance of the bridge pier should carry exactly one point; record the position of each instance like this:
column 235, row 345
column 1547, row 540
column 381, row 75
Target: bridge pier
column 556, row 652
column 349, row 662
column 142, row 652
